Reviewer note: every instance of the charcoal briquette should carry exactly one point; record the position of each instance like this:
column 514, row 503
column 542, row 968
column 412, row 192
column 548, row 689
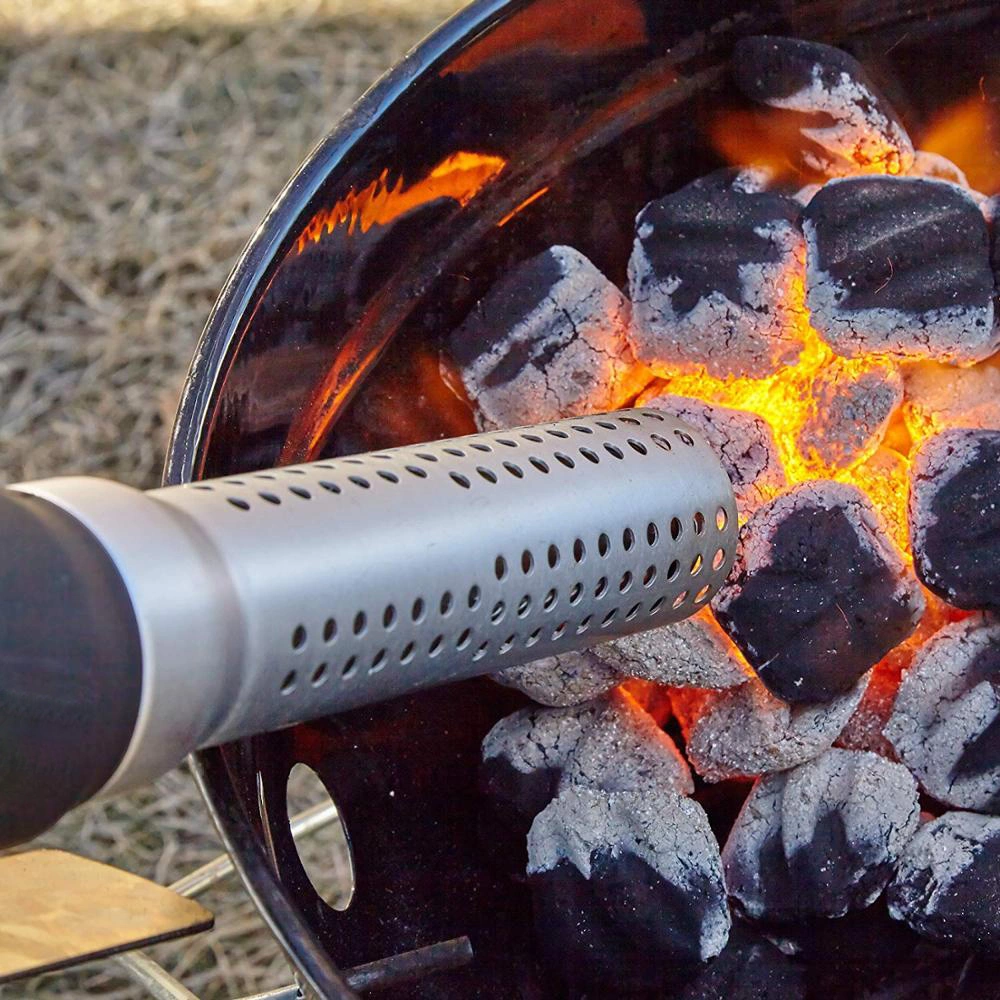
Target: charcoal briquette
column 742, row 440
column 945, row 724
column 568, row 679
column 847, row 125
column 940, row 168
column 747, row 731
column 627, row 887
column 691, row 653
column 940, row 397
column 818, row 594
column 850, row 412
column 548, row 341
column 712, row 279
column 822, row 839
column 947, row 887
column 954, row 513
column 900, row 266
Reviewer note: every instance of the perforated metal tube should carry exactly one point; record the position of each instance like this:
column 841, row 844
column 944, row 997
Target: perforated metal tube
column 274, row 597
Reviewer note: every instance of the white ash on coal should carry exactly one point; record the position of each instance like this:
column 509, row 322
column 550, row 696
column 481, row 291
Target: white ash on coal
column 945, row 724
column 691, row 653
column 900, row 266
column 850, row 412
column 627, row 887
column 955, row 517
column 936, row 167
column 848, row 126
column 742, row 440
column 547, row 341
column 822, row 839
column 818, row 594
column 947, row 887
column 747, row 731
column 559, row 681
column 940, row 397
column 711, row 279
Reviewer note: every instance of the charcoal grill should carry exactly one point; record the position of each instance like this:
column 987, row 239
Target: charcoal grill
column 518, row 125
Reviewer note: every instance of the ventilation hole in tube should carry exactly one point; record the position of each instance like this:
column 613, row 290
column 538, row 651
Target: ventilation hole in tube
column 673, row 571
column 680, row 599
column 378, row 662
column 299, row 637
column 583, row 429
column 418, row 610
column 524, row 606
column 625, row 583
column 488, row 474
column 382, row 455
column 426, row 456
column 657, row 604
column 686, row 438
column 676, row 528
column 320, row 674
column 719, row 559
column 584, row 625
column 553, row 556
column 696, row 565
column 329, row 630
column 302, row 472
column 552, row 432
column 475, row 596
column 288, row 684
column 559, row 631
column 435, row 647
column 300, row 491
column 579, row 550
column 506, row 645
column 699, row 523
column 447, row 603
column 480, row 652
column 590, row 455
column 538, row 464
column 463, row 639
column 652, row 415
column 533, row 638
column 602, row 587
column 527, row 562
column 328, row 486
column 632, row 612
column 614, row 450
column 457, row 452
column 638, row 446
column 515, row 470
column 350, row 666
column 506, row 442
column 533, row 438
column 628, row 539
column 603, row 545
column 415, row 470
column 479, row 446
column 234, row 482
column 649, row 577
column 576, row 593
column 564, row 459
column 270, row 498
column 203, row 488
column 652, row 535
column 239, row 503
column 269, row 476
column 407, row 653
column 360, row 623
column 360, row 481
column 550, row 600
column 607, row 425
column 389, row 477
column 389, row 617
column 628, row 420
column 702, row 594
column 500, row 568
column 459, row 479
column 721, row 519
column 496, row 615
column 609, row 618
column 661, row 442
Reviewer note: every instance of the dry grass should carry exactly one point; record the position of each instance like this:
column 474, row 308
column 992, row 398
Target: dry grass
column 141, row 141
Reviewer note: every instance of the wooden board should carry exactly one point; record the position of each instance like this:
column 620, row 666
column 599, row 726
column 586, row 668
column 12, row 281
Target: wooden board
column 57, row 910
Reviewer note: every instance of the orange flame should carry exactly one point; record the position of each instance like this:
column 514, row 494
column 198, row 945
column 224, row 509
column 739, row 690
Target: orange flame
column 460, row 176
column 966, row 133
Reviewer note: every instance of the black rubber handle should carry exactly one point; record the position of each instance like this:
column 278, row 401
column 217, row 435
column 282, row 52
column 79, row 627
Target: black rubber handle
column 70, row 666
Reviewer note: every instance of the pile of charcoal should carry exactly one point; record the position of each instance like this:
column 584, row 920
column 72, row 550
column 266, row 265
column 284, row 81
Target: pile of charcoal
column 844, row 687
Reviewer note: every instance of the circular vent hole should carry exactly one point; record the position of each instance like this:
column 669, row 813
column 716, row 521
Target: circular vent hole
column 609, row 618
column 702, row 594
column 447, row 603
column 360, row 623
column 389, row 477
column 602, row 587
column 657, row 604
column 625, row 583
column 360, row 481
column 300, row 491
column 638, row 446
column 680, row 599
column 320, row 674
column 378, row 662
column 328, row 486
column 435, row 646
column 576, row 593
column 696, row 565
column 459, row 479
column 329, row 630
column 415, row 470
column 524, row 606
column 673, row 570
column 407, row 653
column 527, row 562
column 628, row 539
column 607, row 425
column 475, row 596
column 614, row 450
column 579, row 550
column 718, row 559
column 349, row 668
column 418, row 610
column 552, row 432
column 652, row 534
column 389, row 617
column 632, row 612
column 721, row 519
column 650, row 576
column 676, row 528
column 590, row 455
column 299, row 637
column 533, row 638
column 289, row 682
column 603, row 545
column 463, row 639
column 515, row 470
column 553, row 556
column 699, row 523
column 563, row 459
column 496, row 615
column 538, row 464
column 270, row 498
column 239, row 503
column 488, row 474
column 457, row 452
column 550, row 600
column 500, row 568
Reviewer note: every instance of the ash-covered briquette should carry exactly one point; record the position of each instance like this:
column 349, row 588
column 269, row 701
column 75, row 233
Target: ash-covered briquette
column 712, row 277
column 945, row 724
column 559, row 681
column 742, row 440
column 627, row 887
column 549, row 340
column 822, row 839
column 900, row 266
column 691, row 653
column 850, row 412
column 936, row 167
column 947, row 887
column 941, row 397
column 848, row 126
column 818, row 593
column 747, row 731
column 954, row 513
